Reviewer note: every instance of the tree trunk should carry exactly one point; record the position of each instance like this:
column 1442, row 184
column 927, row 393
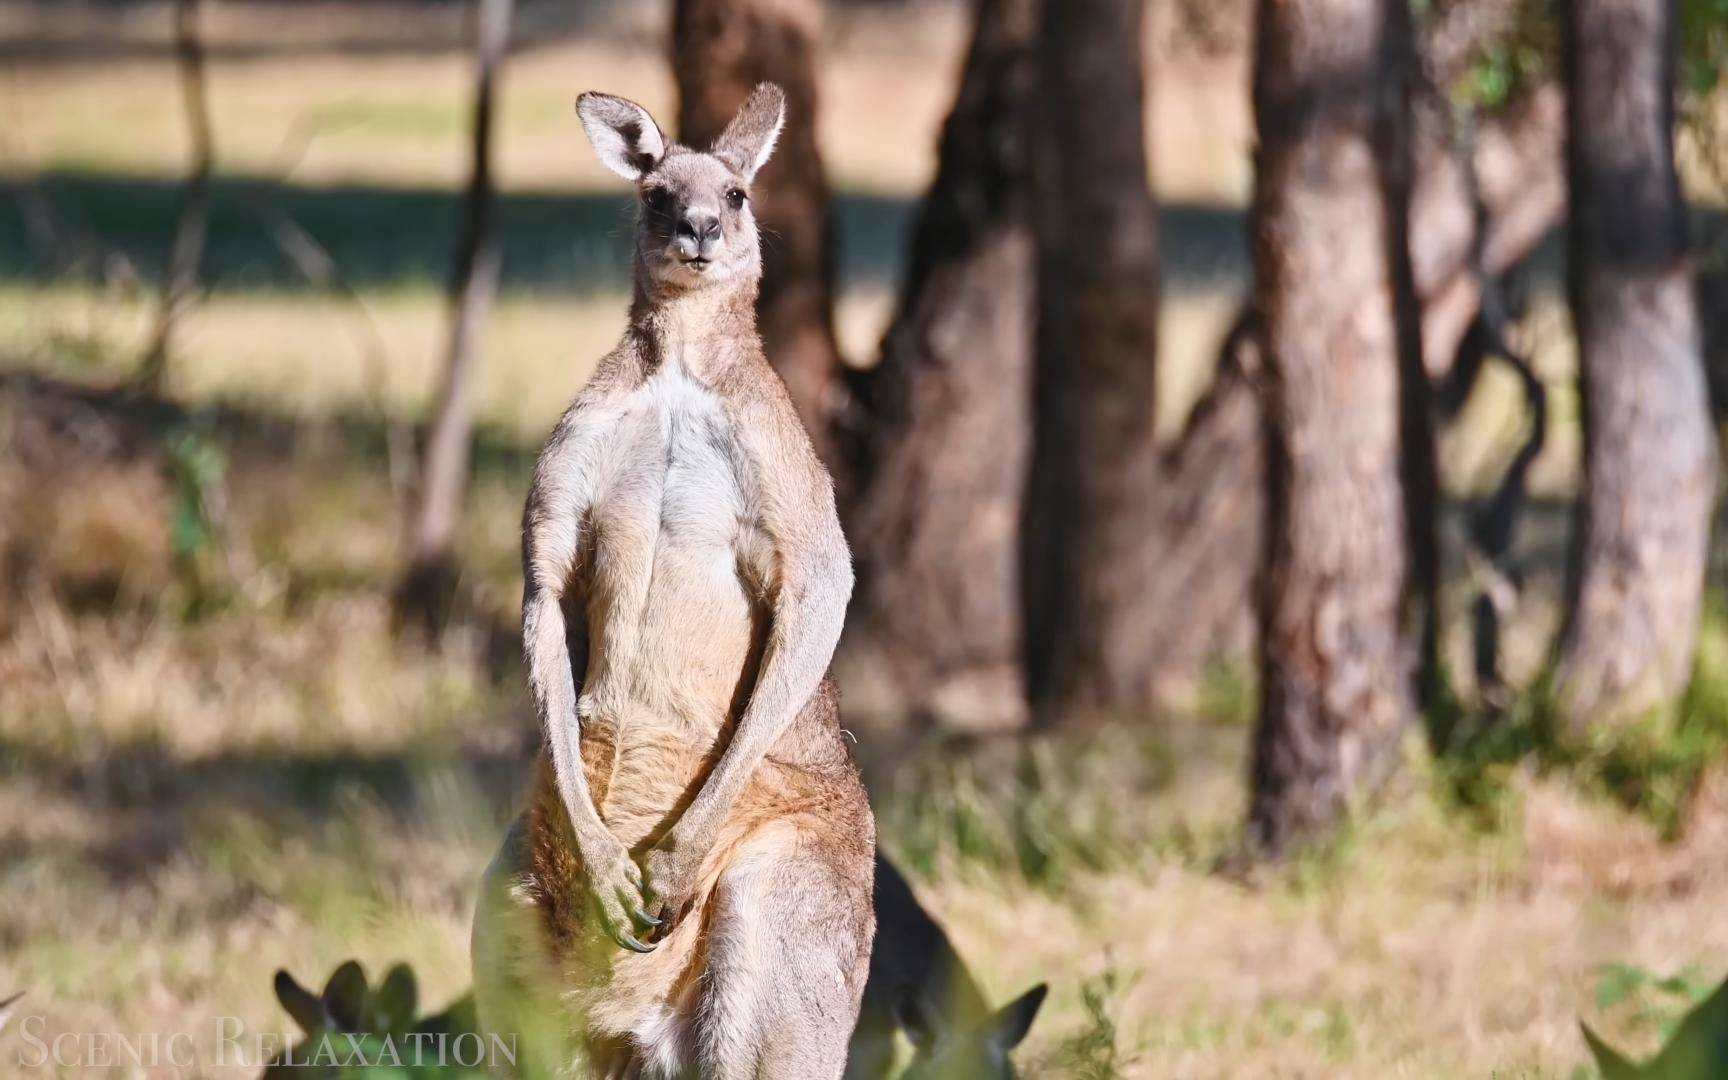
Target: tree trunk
column 720, row 50
column 427, row 589
column 941, row 461
column 1650, row 458
column 1211, row 488
column 1091, row 501
column 180, row 277
column 1331, row 104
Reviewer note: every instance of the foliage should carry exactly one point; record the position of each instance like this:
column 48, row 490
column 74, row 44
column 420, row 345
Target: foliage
column 1697, row 1048
column 1528, row 53
column 1650, row 764
column 1093, row 1052
column 1703, row 45
column 198, row 465
column 1658, row 1001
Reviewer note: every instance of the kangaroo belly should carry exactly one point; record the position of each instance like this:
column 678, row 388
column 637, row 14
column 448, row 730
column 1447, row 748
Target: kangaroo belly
column 675, row 614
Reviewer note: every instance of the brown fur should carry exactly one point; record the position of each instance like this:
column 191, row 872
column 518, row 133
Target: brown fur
column 685, row 579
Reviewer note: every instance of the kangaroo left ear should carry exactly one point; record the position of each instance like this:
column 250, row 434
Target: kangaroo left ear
column 922, row 1024
column 1012, row 1021
column 748, row 140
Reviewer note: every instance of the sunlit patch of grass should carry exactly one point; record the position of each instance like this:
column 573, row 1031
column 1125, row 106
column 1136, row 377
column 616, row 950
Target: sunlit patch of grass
column 413, row 119
column 1650, row 764
column 1049, row 808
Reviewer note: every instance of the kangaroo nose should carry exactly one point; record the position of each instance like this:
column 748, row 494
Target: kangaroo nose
column 700, row 226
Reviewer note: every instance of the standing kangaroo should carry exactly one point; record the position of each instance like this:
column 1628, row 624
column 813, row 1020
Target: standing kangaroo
column 689, row 889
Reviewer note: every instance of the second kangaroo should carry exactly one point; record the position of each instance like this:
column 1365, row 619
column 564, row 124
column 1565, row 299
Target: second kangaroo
column 689, row 889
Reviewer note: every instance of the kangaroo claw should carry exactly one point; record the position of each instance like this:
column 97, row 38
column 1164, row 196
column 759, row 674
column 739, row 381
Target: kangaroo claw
column 630, row 942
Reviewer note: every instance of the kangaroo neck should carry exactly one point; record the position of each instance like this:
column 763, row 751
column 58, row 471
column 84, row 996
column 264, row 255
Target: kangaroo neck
column 700, row 330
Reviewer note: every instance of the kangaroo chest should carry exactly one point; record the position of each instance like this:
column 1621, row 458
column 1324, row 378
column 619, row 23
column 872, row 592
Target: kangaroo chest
column 675, row 559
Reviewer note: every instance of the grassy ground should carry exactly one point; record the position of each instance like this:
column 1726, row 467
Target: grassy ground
column 216, row 761
column 217, row 766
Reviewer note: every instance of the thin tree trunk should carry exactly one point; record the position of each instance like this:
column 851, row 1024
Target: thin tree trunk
column 941, row 464
column 1331, row 103
column 180, row 278
column 1094, row 470
column 1650, row 457
column 720, row 50
column 427, row 588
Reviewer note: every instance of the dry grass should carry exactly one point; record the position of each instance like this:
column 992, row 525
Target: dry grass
column 196, row 795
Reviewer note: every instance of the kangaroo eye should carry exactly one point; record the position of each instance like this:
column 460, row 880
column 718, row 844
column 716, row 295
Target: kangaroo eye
column 735, row 198
column 658, row 201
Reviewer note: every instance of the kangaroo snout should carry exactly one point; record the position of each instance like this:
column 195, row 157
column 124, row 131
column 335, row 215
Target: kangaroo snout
column 697, row 237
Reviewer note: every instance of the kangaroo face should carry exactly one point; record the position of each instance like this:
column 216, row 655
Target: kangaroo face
column 695, row 228
column 695, row 225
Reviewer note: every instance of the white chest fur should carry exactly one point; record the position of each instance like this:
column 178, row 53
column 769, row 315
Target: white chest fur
column 681, row 471
column 677, row 562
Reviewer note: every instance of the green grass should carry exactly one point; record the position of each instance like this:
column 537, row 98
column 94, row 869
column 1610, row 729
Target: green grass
column 1650, row 764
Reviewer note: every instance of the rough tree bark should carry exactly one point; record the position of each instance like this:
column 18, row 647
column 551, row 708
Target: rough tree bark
column 1089, row 618
column 1650, row 459
column 720, row 50
column 1331, row 104
column 180, row 277
column 1211, row 486
column 940, row 463
column 426, row 590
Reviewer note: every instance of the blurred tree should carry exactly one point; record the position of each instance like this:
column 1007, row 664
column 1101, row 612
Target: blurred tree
column 720, row 50
column 425, row 592
column 1650, row 457
column 180, row 276
column 1089, row 610
column 1334, row 294
column 942, row 432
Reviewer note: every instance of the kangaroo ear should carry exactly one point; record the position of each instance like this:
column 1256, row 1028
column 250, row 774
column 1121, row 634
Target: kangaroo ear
column 923, row 1024
column 1012, row 1021
column 749, row 139
column 624, row 135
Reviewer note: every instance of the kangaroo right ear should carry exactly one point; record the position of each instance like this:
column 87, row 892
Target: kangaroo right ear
column 749, row 139
column 1012, row 1021
column 624, row 135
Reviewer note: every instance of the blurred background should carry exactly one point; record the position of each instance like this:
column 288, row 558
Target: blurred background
column 1274, row 629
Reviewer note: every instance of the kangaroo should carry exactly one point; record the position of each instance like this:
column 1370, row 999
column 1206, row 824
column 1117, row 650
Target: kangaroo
column 688, row 891
column 919, row 983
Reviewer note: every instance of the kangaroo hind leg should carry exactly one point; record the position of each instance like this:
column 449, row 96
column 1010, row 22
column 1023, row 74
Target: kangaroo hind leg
column 789, row 951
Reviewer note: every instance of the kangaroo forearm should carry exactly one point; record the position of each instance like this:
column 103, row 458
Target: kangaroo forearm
column 792, row 670
column 554, row 692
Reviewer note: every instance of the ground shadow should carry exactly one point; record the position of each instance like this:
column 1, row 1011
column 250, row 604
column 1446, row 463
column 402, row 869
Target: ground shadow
column 66, row 224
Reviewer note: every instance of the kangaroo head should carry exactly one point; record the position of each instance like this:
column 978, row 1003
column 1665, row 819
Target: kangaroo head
column 694, row 226
column 944, row 1050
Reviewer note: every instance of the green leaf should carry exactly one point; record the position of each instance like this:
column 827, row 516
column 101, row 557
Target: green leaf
column 1617, row 983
